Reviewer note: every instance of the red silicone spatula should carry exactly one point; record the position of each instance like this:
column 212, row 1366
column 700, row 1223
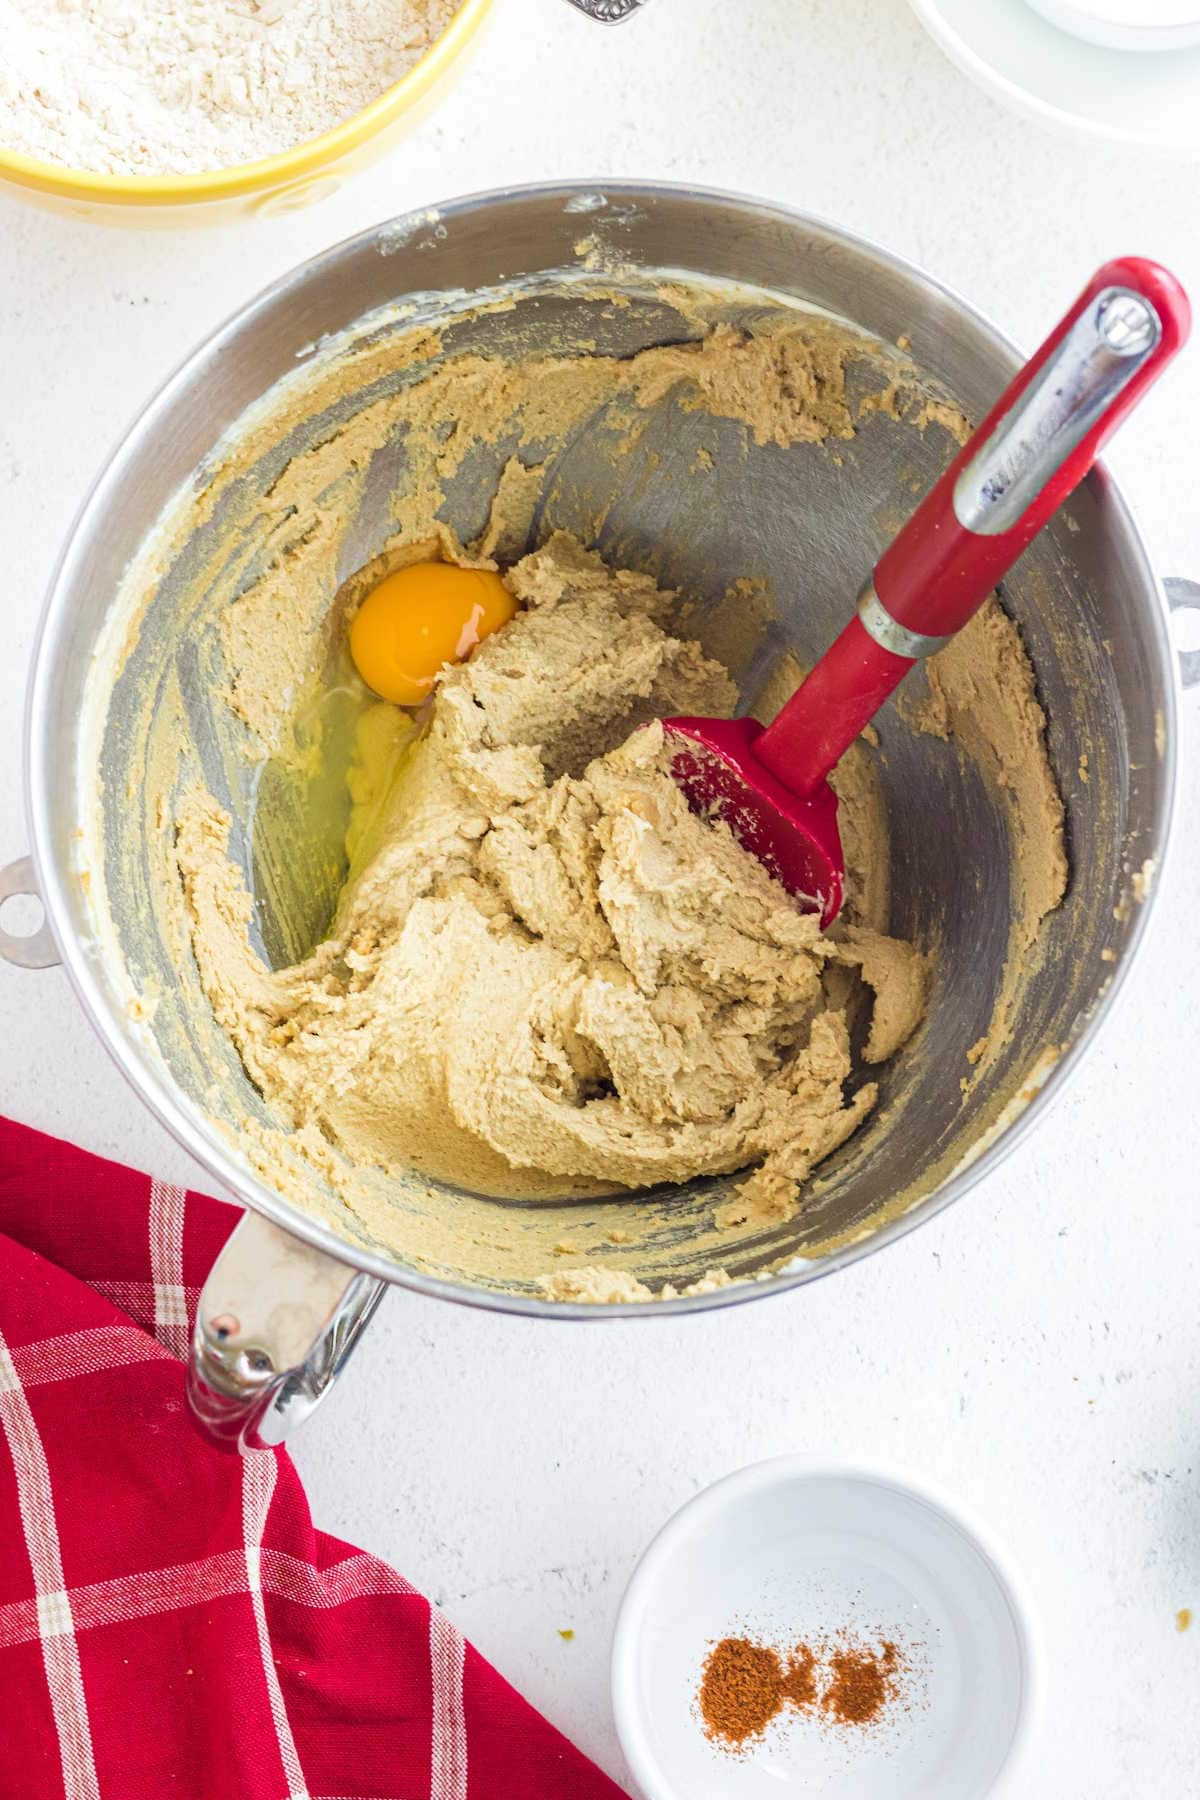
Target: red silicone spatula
column 1034, row 447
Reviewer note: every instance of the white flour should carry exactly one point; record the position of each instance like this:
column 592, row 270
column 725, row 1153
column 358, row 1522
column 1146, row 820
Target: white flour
column 155, row 87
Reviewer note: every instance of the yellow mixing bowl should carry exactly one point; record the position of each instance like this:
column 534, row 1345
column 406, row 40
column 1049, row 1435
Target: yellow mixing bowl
column 295, row 178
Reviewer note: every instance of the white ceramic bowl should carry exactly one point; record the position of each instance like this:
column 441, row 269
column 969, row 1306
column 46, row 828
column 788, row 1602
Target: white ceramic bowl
column 1152, row 101
column 1126, row 24
column 790, row 1551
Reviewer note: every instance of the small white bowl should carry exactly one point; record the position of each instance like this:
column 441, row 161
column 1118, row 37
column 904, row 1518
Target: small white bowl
column 1092, row 89
column 791, row 1551
column 1126, row 24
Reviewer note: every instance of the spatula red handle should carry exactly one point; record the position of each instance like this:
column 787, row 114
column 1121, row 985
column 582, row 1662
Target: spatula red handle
column 1032, row 450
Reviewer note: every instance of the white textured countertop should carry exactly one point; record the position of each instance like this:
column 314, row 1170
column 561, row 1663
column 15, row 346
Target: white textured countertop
column 1037, row 1348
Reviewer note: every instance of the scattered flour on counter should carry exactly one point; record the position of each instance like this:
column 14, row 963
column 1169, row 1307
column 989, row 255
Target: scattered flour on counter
column 182, row 86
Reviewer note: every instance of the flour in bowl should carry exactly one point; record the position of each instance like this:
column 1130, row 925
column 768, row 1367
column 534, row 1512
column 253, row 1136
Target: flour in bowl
column 181, row 86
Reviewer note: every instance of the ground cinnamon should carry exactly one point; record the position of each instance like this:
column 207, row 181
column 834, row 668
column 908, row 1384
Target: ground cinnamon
column 745, row 1685
column 861, row 1683
column 741, row 1689
column 800, row 1678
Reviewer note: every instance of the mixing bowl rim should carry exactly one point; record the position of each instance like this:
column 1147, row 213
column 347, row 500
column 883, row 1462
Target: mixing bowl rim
column 186, row 1124
column 310, row 156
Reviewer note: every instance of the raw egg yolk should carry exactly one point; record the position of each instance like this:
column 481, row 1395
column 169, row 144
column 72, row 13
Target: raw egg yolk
column 421, row 618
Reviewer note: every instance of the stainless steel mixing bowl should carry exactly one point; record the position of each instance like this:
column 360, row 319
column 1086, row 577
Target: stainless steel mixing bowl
column 293, row 1290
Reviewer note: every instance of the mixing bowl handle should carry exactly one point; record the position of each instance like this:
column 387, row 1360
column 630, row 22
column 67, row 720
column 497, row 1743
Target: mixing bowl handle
column 609, row 12
column 1184, row 596
column 276, row 1323
column 32, row 949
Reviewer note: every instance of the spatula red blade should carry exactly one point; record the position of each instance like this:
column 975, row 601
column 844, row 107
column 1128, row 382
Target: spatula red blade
column 796, row 840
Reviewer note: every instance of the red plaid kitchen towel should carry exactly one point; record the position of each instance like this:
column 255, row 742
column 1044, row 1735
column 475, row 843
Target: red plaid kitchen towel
column 170, row 1622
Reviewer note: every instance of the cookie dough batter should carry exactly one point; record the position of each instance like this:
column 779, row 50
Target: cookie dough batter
column 546, row 975
column 542, row 979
